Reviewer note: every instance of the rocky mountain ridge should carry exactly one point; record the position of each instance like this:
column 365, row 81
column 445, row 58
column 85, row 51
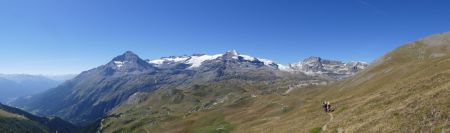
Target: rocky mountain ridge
column 314, row 66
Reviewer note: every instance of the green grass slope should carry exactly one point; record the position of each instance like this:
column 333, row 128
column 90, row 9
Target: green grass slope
column 15, row 120
column 198, row 108
column 11, row 122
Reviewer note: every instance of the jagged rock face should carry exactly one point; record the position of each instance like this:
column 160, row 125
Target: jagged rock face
column 319, row 66
column 355, row 66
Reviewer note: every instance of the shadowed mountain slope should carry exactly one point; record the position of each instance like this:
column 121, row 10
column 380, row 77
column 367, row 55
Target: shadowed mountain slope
column 13, row 120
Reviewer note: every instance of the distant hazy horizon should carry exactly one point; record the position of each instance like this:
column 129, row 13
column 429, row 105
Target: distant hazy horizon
column 51, row 76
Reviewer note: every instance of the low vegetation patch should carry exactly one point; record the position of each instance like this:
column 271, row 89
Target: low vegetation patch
column 316, row 130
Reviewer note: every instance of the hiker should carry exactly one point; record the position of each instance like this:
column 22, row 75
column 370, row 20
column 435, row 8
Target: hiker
column 328, row 107
column 325, row 106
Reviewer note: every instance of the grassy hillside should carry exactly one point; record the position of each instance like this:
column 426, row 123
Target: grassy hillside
column 162, row 110
column 407, row 90
column 15, row 120
column 15, row 123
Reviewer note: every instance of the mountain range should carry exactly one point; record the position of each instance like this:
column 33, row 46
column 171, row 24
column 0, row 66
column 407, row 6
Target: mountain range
column 94, row 93
column 309, row 66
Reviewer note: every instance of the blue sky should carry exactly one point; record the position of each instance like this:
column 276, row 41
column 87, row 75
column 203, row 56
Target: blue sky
column 69, row 36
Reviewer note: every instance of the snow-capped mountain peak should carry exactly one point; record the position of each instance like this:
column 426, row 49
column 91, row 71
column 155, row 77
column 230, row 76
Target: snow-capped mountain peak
column 233, row 53
column 128, row 62
column 196, row 60
column 170, row 59
column 310, row 66
column 246, row 57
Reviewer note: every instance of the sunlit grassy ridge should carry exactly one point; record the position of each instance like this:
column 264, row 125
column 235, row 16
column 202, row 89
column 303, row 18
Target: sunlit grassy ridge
column 14, row 120
column 15, row 123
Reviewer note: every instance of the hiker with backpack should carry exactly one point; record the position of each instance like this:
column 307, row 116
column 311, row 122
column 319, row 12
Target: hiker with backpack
column 327, row 107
